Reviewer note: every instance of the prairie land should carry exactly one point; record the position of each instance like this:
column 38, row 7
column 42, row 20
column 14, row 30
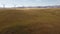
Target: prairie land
column 30, row 21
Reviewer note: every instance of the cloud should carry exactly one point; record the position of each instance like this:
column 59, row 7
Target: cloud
column 30, row 2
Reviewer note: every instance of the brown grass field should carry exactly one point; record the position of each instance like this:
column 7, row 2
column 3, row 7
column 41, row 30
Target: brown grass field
column 30, row 21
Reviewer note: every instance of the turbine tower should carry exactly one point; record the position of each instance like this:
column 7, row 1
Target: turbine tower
column 14, row 5
column 3, row 5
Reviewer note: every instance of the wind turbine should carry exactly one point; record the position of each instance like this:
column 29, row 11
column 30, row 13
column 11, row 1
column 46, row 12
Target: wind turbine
column 14, row 5
column 3, row 5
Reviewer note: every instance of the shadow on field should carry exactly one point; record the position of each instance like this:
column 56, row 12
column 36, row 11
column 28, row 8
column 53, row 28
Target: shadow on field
column 37, row 28
column 15, row 30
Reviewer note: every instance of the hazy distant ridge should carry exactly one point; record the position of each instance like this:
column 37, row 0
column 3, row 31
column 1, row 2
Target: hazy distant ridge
column 56, row 6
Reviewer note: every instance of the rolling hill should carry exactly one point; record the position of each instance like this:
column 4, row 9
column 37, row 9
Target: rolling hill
column 30, row 21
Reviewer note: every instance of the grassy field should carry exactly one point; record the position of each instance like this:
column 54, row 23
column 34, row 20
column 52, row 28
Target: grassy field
column 30, row 21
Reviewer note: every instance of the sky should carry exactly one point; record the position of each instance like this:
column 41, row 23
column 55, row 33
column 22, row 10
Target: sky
column 11, row 3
